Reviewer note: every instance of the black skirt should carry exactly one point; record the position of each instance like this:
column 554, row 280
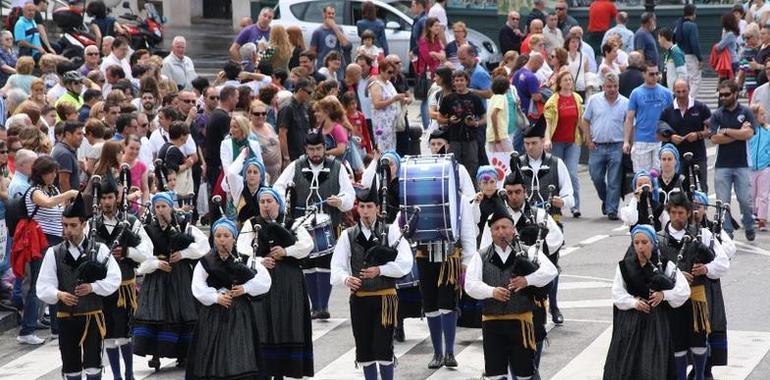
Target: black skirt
column 225, row 343
column 283, row 321
column 641, row 346
column 718, row 318
column 117, row 319
column 167, row 297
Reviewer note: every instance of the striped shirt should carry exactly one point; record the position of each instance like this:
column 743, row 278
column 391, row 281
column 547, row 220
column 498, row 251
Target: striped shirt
column 49, row 218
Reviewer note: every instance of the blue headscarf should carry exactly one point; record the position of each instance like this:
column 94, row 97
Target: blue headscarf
column 260, row 166
column 700, row 197
column 486, row 170
column 163, row 196
column 644, row 173
column 393, row 156
column 270, row 191
column 647, row 230
column 226, row 223
column 671, row 148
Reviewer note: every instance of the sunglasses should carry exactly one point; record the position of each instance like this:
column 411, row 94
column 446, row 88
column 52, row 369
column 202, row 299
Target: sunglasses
column 213, row 98
column 259, row 114
column 188, row 101
column 725, row 94
column 92, row 54
column 560, row 8
column 514, row 19
column 654, row 74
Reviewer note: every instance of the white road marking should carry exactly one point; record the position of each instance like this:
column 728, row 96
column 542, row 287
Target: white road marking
column 621, row 228
column 603, row 303
column 584, row 285
column 751, row 248
column 586, row 277
column 321, row 327
column 589, row 364
column 593, row 239
column 33, row 364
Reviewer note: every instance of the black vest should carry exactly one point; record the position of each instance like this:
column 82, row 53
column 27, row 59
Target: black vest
column 639, row 280
column 225, row 273
column 691, row 254
column 127, row 266
column 66, row 273
column 677, row 184
column 549, row 177
column 359, row 244
column 165, row 241
column 328, row 185
column 496, row 273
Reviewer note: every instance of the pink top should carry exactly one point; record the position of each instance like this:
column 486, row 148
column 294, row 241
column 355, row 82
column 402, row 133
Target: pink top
column 136, row 174
column 425, row 60
column 339, row 133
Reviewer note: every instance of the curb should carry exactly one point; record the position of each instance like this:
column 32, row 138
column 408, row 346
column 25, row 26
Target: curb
column 8, row 321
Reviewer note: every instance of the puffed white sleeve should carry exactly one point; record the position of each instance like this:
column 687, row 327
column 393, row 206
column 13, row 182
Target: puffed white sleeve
column 718, row 267
column 148, row 266
column 402, row 265
column 226, row 152
column 199, row 247
column 628, row 213
column 727, row 244
column 474, row 280
column 143, row 251
column 260, row 283
column 233, row 179
column 566, row 192
column 245, row 236
column 545, row 273
column 369, row 173
column 681, row 292
column 466, row 184
column 467, row 232
column 200, row 289
column 47, row 287
column 347, row 192
column 340, row 265
column 110, row 283
column 620, row 296
column 303, row 246
column 554, row 239
column 287, row 176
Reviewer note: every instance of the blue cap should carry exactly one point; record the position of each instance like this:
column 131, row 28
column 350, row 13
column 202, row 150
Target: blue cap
column 393, row 156
column 644, row 173
column 700, row 197
column 163, row 196
column 670, row 148
column 486, row 171
column 270, row 191
column 260, row 166
column 226, row 223
column 647, row 230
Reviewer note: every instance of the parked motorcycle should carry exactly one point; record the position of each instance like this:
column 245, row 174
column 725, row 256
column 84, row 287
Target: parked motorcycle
column 74, row 36
column 144, row 32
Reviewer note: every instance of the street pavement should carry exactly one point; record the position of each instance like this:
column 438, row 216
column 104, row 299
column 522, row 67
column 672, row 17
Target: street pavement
column 575, row 350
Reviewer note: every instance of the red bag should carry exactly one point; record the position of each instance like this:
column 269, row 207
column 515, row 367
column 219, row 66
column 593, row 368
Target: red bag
column 721, row 62
column 29, row 241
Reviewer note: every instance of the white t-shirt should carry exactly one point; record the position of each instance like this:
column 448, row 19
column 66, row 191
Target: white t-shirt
column 159, row 137
column 439, row 12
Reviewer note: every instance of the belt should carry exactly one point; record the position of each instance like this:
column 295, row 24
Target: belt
column 608, row 143
column 389, row 304
column 97, row 315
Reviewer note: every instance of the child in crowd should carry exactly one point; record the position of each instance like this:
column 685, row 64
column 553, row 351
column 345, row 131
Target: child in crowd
column 759, row 150
column 369, row 49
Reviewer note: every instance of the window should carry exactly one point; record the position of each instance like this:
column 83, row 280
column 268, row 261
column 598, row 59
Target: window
column 314, row 11
column 382, row 13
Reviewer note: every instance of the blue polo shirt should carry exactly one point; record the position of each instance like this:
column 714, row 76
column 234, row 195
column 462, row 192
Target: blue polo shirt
column 480, row 79
column 648, row 103
column 736, row 153
column 26, row 30
column 606, row 119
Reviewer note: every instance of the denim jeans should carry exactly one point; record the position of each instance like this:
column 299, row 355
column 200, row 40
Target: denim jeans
column 725, row 179
column 424, row 114
column 606, row 161
column 30, row 313
column 570, row 154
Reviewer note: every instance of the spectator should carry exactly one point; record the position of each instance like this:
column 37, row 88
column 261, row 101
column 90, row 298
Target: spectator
column 431, row 50
column 535, row 27
column 645, row 105
column 729, row 41
column 600, row 14
column 463, row 113
column 537, row 13
column 23, row 160
column 297, row 45
column 90, row 97
column 198, row 128
column 238, row 140
column 367, row 48
column 364, row 98
column 673, row 58
column 267, row 138
column 294, row 123
column 90, row 60
column 510, row 35
column 360, row 136
column 139, row 172
column 438, row 10
column 282, row 48
column 688, row 120
column 686, row 37
column 762, row 93
column 566, row 22
column 644, row 40
column 23, row 77
column 107, row 45
column 307, row 60
column 118, row 57
column 442, row 88
column 633, row 77
column 91, row 147
column 553, row 35
column 603, row 134
column 403, row 139
column 732, row 126
column 253, row 33
column 329, row 36
column 577, row 63
column 44, row 202
column 371, row 22
column 386, row 108
column 418, row 23
column 747, row 75
column 587, row 50
column 27, row 33
column 216, row 130
column 609, row 62
column 452, row 48
column 64, row 152
column 105, row 24
column 527, row 84
column 179, row 67
column 759, row 148
column 563, row 112
column 497, row 137
column 8, row 57
column 175, row 159
column 758, row 12
column 626, row 36
column 73, row 84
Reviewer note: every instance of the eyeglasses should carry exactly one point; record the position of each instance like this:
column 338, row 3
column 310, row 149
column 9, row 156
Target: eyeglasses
column 725, row 94
column 560, row 8
column 188, row 101
column 514, row 19
column 259, row 114
column 144, row 125
column 213, row 98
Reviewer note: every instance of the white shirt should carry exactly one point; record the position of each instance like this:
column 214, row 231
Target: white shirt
column 439, row 12
column 145, row 154
column 721, row 263
column 346, row 187
column 676, row 297
column 554, row 239
column 299, row 250
column 196, row 250
column 48, row 282
column 112, row 60
column 478, row 289
column 630, row 215
column 565, row 185
column 160, row 136
column 340, row 264
column 226, row 151
column 259, row 284
column 588, row 52
column 180, row 70
column 138, row 254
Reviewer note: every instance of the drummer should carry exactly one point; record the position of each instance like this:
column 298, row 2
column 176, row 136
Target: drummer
column 439, row 144
column 320, row 183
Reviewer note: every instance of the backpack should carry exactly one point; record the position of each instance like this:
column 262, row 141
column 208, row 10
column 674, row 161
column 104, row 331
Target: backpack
column 16, row 210
column 13, row 16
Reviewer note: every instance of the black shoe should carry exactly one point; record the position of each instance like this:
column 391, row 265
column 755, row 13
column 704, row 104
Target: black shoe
column 313, row 314
column 437, row 362
column 398, row 334
column 556, row 316
column 750, row 235
column 612, row 216
column 323, row 314
column 576, row 213
column 154, row 363
column 604, row 211
column 450, row 361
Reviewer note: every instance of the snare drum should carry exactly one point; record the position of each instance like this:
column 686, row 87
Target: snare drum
column 430, row 182
column 321, row 230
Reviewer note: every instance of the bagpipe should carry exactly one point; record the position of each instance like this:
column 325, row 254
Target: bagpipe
column 126, row 237
column 523, row 266
column 692, row 251
column 692, row 174
column 383, row 253
column 92, row 269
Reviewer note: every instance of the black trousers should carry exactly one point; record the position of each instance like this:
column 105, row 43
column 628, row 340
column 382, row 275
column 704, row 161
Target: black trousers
column 74, row 357
column 504, row 347
column 374, row 342
column 434, row 297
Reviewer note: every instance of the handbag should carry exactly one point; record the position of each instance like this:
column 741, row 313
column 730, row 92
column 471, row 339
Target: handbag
column 522, row 122
column 421, row 86
column 399, row 125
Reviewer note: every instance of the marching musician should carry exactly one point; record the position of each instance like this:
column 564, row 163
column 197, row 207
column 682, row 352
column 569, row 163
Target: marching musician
column 670, row 179
column 367, row 265
column 320, row 183
column 646, row 201
column 226, row 341
column 507, row 322
column 646, row 287
column 439, row 144
column 408, row 288
column 130, row 245
column 487, row 198
column 717, row 339
column 280, row 244
column 698, row 259
column 244, row 178
column 76, row 275
column 167, row 310
column 546, row 179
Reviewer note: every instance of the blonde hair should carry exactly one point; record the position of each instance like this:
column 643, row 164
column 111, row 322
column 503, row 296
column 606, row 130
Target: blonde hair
column 279, row 39
column 96, row 109
column 48, row 63
column 534, row 40
column 243, row 124
column 167, row 86
column 332, row 107
column 510, row 56
column 25, row 65
column 295, row 37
